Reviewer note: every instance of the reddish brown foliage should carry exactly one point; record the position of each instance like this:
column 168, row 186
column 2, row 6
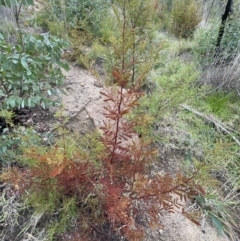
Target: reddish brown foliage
column 121, row 188
column 129, row 192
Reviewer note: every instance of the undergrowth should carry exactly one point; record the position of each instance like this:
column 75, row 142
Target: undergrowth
column 111, row 188
column 99, row 185
column 102, row 179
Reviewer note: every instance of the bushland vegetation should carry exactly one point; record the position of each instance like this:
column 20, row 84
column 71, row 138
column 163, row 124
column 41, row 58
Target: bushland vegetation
column 165, row 89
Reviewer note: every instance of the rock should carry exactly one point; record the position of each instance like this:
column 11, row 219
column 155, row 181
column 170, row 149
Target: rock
column 98, row 84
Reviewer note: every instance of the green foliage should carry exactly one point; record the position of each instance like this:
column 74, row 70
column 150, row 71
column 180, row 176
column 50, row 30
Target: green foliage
column 222, row 105
column 30, row 71
column 6, row 118
column 219, row 102
column 67, row 215
column 173, row 85
column 137, row 35
column 203, row 141
column 11, row 3
column 205, row 40
column 163, row 9
column 12, row 144
column 185, row 17
column 84, row 15
column 230, row 44
column 62, row 211
column 29, row 216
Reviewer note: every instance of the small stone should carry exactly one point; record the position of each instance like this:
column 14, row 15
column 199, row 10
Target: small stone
column 30, row 121
column 98, row 84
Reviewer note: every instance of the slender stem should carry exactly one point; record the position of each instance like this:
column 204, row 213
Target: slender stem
column 123, row 37
column 133, row 56
column 134, row 24
column 16, row 11
column 117, row 127
column 121, row 91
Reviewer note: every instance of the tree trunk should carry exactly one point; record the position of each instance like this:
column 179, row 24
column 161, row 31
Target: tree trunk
column 227, row 13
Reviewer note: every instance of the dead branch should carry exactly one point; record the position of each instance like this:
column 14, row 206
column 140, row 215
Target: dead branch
column 210, row 118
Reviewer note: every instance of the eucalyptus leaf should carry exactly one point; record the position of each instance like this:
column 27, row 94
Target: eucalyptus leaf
column 12, row 103
column 24, row 63
column 27, row 73
column 217, row 223
column 4, row 148
column 200, row 199
column 22, row 105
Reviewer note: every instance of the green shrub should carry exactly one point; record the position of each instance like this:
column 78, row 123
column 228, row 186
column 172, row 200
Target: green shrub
column 83, row 15
column 30, row 70
column 204, row 44
column 185, row 16
column 12, row 144
column 173, row 85
column 206, row 142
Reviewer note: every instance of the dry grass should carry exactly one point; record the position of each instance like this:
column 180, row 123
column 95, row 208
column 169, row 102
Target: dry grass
column 17, row 221
column 223, row 76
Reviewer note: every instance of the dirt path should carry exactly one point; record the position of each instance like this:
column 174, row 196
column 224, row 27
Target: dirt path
column 80, row 99
column 82, row 103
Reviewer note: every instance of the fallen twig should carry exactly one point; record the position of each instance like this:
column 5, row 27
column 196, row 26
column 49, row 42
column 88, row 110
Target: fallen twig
column 218, row 124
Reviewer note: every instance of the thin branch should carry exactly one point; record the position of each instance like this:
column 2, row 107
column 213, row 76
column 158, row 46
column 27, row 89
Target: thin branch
column 172, row 189
column 72, row 117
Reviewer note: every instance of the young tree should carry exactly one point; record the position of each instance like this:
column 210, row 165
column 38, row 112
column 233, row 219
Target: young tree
column 136, row 24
